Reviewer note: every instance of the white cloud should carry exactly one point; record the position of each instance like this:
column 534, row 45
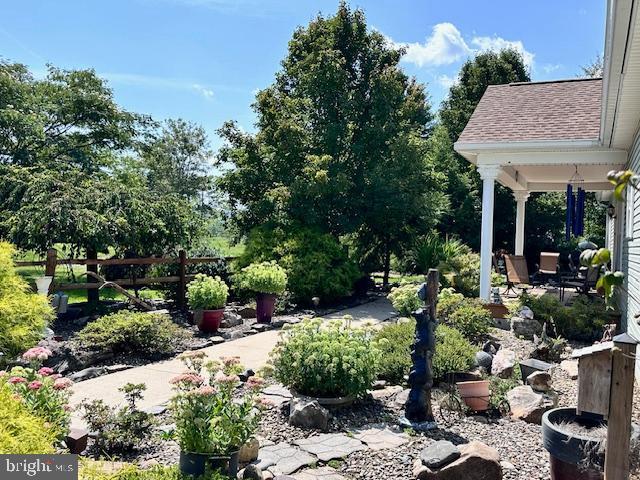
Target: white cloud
column 446, row 81
column 496, row 44
column 158, row 82
column 551, row 67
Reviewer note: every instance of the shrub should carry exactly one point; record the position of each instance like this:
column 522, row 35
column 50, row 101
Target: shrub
column 22, row 432
column 91, row 470
column 326, row 360
column 454, row 353
column 395, row 342
column 501, row 386
column 264, row 277
column 431, row 250
column 463, row 273
column 448, row 301
column 122, row 429
column 23, row 315
column 207, row 293
column 132, row 332
column 405, row 298
column 470, row 318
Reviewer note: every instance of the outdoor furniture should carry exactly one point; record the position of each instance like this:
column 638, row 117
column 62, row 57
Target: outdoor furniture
column 549, row 263
column 517, row 273
column 585, row 280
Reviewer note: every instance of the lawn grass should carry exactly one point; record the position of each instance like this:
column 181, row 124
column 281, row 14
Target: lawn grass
column 226, row 247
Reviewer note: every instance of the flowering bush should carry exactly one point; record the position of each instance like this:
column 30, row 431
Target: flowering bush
column 207, row 293
column 265, row 277
column 405, row 298
column 42, row 391
column 327, row 360
column 207, row 416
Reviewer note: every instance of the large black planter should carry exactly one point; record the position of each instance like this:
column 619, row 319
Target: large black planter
column 193, row 464
column 572, row 456
column 227, row 464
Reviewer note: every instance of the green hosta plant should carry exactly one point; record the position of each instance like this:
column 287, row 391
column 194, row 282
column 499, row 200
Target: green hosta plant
column 405, row 299
column 264, row 277
column 327, row 360
column 207, row 293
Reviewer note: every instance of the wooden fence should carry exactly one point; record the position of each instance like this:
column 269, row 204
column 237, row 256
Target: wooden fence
column 52, row 261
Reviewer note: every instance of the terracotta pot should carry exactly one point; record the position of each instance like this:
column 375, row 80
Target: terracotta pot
column 475, row 394
column 210, row 320
column 265, row 304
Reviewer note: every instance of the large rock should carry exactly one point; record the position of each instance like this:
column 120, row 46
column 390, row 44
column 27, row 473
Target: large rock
column 525, row 327
column 252, row 472
column 477, row 462
column 247, row 312
column 526, row 312
column 439, row 454
column 571, row 367
column 307, row 413
column 231, row 319
column 503, row 363
column 528, row 405
column 484, row 360
column 249, row 451
column 540, row 381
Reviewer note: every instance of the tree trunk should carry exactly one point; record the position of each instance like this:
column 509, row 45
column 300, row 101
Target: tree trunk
column 387, row 266
column 93, row 294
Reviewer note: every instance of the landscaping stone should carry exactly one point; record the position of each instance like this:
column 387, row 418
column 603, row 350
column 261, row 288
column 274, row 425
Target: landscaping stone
column 307, row 413
column 247, row 312
column 236, row 334
column 477, row 462
column 387, row 392
column 249, row 451
column 380, row 438
column 156, row 409
column 251, row 472
column 322, row 473
column 571, row 367
column 526, row 312
column 117, row 368
column 540, row 381
column 525, row 327
column 329, row 446
column 401, row 398
column 379, row 385
column 528, row 405
column 503, row 363
column 87, row 373
column 216, row 340
column 260, row 327
column 278, row 322
column 439, row 454
column 484, row 360
column 284, row 458
column 230, row 320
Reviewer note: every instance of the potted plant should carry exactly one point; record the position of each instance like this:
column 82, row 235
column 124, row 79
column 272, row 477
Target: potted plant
column 476, row 394
column 266, row 280
column 208, row 295
column 212, row 424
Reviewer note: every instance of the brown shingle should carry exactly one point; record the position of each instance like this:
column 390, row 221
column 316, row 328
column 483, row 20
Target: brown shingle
column 518, row 112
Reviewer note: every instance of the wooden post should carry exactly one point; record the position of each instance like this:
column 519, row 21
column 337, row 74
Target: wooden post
column 50, row 266
column 93, row 294
column 182, row 273
column 616, row 462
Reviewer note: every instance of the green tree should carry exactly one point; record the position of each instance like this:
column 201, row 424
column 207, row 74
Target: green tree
column 340, row 141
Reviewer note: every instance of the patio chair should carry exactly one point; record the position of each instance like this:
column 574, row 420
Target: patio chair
column 584, row 282
column 549, row 266
column 517, row 273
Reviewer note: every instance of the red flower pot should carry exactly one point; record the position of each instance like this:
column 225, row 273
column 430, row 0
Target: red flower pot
column 210, row 320
column 265, row 304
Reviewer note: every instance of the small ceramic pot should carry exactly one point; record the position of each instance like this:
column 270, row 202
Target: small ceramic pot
column 210, row 320
column 475, row 394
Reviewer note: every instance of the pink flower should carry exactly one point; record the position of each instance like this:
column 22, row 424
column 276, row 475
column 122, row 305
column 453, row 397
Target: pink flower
column 229, row 380
column 230, row 361
column 3, row 373
column 55, row 376
column 255, row 383
column 14, row 380
column 265, row 403
column 205, row 391
column 35, row 385
column 62, row 383
column 187, row 378
column 67, row 408
column 45, row 371
column 36, row 353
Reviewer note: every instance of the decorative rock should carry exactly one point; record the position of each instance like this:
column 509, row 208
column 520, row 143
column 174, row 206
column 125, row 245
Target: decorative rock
column 244, row 376
column 230, row 320
column 252, row 472
column 284, row 458
column 247, row 312
column 330, row 446
column 571, row 367
column 484, row 360
column 503, row 363
column 77, row 440
column 87, row 373
column 216, row 340
column 401, row 398
column 439, row 454
column 477, row 462
column 284, row 477
column 525, row 327
column 322, row 473
column 379, row 385
column 526, row 312
column 540, row 381
column 156, row 409
column 249, row 451
column 387, row 392
column 260, row 327
column 528, row 405
column 491, row 347
column 380, row 438
column 236, row 334
column 117, row 368
column 307, row 413
column 278, row 322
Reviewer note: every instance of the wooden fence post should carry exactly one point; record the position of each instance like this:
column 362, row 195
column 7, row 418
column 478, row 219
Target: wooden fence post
column 182, row 273
column 616, row 462
column 93, row 294
column 50, row 266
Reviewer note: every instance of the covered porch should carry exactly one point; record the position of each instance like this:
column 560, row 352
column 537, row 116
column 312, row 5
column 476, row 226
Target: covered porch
column 533, row 137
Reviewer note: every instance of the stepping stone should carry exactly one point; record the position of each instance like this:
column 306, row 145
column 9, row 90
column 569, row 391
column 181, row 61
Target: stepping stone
column 380, row 438
column 278, row 391
column 439, row 454
column 322, row 473
column 329, row 446
column 283, row 458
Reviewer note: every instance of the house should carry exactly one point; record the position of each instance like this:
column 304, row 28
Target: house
column 532, row 137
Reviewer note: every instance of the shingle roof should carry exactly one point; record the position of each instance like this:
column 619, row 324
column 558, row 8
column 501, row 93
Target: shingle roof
column 559, row 110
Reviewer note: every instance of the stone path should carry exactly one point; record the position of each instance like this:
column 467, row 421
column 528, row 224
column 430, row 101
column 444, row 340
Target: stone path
column 380, row 438
column 253, row 352
column 322, row 473
column 283, row 458
column 330, row 446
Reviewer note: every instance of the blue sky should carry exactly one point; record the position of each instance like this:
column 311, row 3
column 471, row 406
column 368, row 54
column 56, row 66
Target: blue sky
column 203, row 60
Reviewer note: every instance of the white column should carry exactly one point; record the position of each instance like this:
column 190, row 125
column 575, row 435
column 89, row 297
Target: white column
column 488, row 173
column 521, row 197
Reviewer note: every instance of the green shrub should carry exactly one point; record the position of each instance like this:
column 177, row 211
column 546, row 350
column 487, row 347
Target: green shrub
column 207, row 293
column 264, row 277
column 327, row 360
column 470, row 318
column 21, row 432
column 23, row 315
column 501, row 386
column 92, row 470
column 448, row 301
column 405, row 298
column 132, row 332
column 429, row 252
column 462, row 272
column 454, row 353
column 395, row 342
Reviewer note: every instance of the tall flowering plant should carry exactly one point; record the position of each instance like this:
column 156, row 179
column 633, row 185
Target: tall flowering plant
column 43, row 391
column 210, row 417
